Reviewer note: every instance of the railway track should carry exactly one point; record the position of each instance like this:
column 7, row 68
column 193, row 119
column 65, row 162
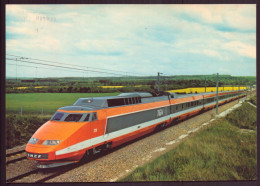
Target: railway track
column 37, row 175
column 15, row 156
column 18, row 177
column 14, row 153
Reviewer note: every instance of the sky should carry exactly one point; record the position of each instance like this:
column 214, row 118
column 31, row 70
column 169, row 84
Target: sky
column 137, row 40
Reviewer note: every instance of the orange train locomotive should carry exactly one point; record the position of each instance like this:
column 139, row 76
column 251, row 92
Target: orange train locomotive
column 94, row 124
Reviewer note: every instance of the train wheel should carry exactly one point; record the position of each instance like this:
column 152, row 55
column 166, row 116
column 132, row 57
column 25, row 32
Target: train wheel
column 159, row 127
column 96, row 150
column 107, row 147
column 87, row 156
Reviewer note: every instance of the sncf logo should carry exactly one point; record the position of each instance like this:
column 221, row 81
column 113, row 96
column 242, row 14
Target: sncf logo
column 37, row 156
column 34, row 155
column 159, row 112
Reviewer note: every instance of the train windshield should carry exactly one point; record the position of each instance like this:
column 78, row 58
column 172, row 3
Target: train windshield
column 87, row 117
column 73, row 117
column 58, row 116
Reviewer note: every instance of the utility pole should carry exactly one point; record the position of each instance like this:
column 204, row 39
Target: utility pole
column 238, row 92
column 205, row 85
column 217, row 97
column 158, row 81
column 16, row 68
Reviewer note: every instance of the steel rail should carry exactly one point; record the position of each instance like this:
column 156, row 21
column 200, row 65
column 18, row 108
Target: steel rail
column 14, row 153
column 10, row 180
column 15, row 160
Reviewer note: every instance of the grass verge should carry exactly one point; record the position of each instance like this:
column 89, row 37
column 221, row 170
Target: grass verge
column 253, row 100
column 46, row 102
column 226, row 150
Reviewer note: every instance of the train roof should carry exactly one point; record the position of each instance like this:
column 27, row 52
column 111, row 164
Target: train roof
column 96, row 103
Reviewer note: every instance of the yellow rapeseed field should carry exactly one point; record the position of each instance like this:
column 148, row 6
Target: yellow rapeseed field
column 19, row 88
column 185, row 90
column 111, row 86
column 202, row 89
column 121, row 86
column 41, row 87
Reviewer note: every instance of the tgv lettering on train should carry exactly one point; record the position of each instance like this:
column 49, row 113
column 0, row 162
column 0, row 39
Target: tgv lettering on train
column 159, row 112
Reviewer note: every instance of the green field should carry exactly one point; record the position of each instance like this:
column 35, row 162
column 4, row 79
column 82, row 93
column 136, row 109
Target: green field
column 226, row 150
column 49, row 102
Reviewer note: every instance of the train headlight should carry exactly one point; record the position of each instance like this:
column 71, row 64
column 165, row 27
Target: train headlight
column 51, row 142
column 33, row 140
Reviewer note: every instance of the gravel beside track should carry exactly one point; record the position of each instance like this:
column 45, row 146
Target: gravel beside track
column 125, row 159
column 17, row 168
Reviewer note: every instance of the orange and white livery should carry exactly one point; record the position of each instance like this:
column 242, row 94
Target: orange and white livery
column 91, row 125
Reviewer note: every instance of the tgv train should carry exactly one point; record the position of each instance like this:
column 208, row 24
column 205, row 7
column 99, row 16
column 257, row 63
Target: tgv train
column 94, row 124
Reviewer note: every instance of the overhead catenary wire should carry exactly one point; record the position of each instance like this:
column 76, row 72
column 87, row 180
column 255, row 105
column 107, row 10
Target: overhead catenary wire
column 48, row 61
column 60, row 66
column 8, row 63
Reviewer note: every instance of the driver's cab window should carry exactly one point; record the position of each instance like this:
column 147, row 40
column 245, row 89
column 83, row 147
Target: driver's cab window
column 87, row 117
column 94, row 116
column 91, row 117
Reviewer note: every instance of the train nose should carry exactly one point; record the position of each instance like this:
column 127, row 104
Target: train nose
column 39, row 152
column 41, row 149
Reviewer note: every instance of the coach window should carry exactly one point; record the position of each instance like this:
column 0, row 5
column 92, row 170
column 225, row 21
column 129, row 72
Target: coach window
column 87, row 117
column 130, row 101
column 133, row 100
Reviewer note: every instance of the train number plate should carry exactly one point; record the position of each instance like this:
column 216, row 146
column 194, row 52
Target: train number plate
column 37, row 156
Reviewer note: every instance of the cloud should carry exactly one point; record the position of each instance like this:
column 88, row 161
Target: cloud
column 100, row 46
column 223, row 17
column 135, row 38
column 241, row 49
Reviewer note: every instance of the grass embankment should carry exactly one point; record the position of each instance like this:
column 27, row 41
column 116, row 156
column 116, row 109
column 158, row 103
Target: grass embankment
column 226, row 150
column 48, row 102
column 253, row 100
